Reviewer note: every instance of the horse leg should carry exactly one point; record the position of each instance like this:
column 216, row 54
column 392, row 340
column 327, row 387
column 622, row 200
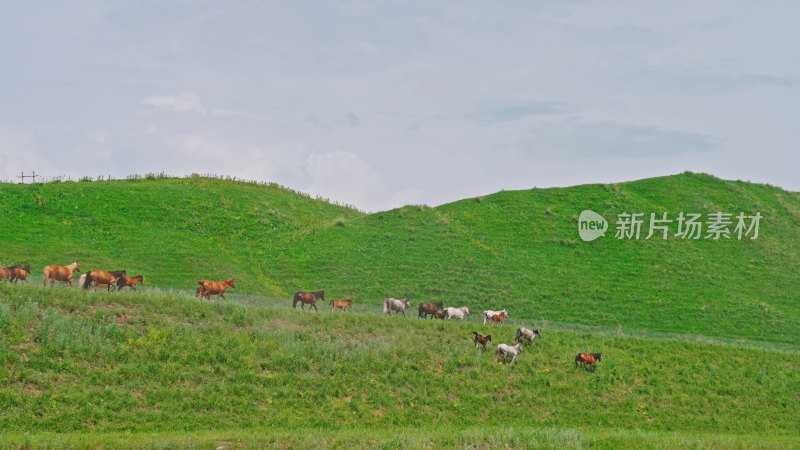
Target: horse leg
column 315, row 306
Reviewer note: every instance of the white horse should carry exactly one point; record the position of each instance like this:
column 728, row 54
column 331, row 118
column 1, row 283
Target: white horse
column 487, row 315
column 456, row 313
column 506, row 350
column 530, row 335
column 393, row 304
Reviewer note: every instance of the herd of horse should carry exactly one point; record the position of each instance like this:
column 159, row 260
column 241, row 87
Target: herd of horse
column 436, row 310
column 119, row 279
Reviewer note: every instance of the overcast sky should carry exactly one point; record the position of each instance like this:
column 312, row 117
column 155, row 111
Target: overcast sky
column 380, row 104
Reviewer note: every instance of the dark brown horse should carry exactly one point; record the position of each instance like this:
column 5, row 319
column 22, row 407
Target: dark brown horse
column 441, row 315
column 308, row 298
column 129, row 282
column 481, row 339
column 587, row 359
column 95, row 277
column 341, row 304
column 60, row 273
column 429, row 308
column 209, row 288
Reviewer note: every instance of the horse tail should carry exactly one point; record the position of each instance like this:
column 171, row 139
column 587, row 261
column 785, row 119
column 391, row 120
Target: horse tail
column 88, row 280
column 385, row 306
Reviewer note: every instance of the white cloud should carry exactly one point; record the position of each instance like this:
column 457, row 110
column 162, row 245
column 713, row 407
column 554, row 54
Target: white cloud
column 344, row 177
column 186, row 101
column 224, row 112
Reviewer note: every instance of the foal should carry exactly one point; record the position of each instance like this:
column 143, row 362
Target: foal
column 498, row 318
column 481, row 339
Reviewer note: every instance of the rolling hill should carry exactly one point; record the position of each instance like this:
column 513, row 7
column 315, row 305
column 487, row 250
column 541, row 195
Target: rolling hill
column 517, row 250
column 700, row 339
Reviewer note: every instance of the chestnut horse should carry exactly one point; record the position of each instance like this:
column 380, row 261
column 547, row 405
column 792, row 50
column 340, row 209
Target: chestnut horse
column 21, row 273
column 60, row 273
column 129, row 282
column 587, row 359
column 429, row 308
column 101, row 277
column 498, row 318
column 7, row 273
column 209, row 288
column 341, row 304
column 308, row 298
column 82, row 280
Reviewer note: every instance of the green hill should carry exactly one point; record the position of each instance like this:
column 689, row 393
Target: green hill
column 517, row 250
column 170, row 371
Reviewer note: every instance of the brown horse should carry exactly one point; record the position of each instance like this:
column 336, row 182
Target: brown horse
column 60, row 273
column 481, row 339
column 7, row 273
column 587, row 359
column 498, row 318
column 21, row 273
column 308, row 298
column 99, row 277
column 440, row 315
column 341, row 304
column 209, row 288
column 129, row 282
column 429, row 308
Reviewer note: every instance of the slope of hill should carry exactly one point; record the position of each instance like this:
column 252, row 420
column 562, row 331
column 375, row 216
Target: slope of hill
column 518, row 250
column 175, row 231
column 156, row 370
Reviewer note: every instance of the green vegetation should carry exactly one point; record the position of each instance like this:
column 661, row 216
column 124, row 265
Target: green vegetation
column 159, row 369
column 517, row 250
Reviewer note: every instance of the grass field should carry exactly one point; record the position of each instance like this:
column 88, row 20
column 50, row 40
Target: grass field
column 165, row 369
column 517, row 250
column 700, row 339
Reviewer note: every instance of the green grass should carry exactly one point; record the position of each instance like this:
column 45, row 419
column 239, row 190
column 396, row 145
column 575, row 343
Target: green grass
column 517, row 250
column 159, row 368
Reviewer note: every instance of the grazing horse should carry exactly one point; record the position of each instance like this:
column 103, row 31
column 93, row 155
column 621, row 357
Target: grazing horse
column 129, row 282
column 429, row 308
column 587, row 359
column 487, row 315
column 481, row 339
column 21, row 273
column 341, row 304
column 456, row 313
column 99, row 277
column 441, row 315
column 60, row 273
column 530, row 335
column 506, row 350
column 498, row 318
column 308, row 298
column 393, row 304
column 209, row 288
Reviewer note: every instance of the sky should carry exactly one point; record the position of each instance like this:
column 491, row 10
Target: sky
column 381, row 104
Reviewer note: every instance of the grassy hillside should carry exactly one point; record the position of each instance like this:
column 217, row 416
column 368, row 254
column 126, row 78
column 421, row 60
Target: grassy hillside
column 518, row 250
column 158, row 370
column 175, row 231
